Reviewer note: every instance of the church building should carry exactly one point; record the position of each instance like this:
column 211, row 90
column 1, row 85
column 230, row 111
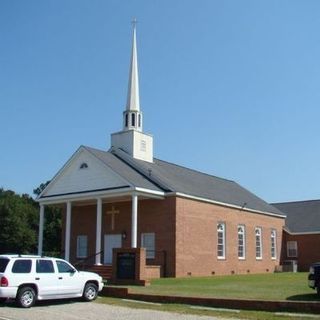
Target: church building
column 190, row 223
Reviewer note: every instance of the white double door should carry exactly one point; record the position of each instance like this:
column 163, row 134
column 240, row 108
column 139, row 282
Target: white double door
column 111, row 241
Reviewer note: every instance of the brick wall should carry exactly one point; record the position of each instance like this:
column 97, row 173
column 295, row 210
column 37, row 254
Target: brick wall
column 197, row 240
column 308, row 252
column 186, row 231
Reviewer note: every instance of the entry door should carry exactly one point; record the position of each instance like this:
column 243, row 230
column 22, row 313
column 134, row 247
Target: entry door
column 111, row 241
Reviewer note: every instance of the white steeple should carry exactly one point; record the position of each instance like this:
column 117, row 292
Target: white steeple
column 131, row 139
column 132, row 117
column 133, row 99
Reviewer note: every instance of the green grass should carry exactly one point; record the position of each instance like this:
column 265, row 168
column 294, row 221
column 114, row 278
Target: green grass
column 276, row 286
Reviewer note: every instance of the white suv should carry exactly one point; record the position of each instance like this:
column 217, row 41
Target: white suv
column 30, row 278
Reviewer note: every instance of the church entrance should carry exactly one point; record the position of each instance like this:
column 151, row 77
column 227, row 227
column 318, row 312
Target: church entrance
column 111, row 241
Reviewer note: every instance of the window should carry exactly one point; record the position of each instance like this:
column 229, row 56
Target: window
column 64, row 267
column 273, row 244
column 258, row 232
column 133, row 120
column 126, row 121
column 21, row 266
column 3, row 264
column 241, row 242
column 83, row 165
column 221, row 250
column 292, row 249
column 148, row 242
column 82, row 246
column 44, row 266
column 139, row 120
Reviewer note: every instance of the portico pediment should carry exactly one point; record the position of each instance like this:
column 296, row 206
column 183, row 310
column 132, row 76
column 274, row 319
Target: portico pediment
column 83, row 173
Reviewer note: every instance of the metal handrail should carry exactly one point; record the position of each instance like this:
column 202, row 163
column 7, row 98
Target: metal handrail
column 82, row 262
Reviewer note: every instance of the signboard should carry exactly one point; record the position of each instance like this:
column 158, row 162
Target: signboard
column 126, row 265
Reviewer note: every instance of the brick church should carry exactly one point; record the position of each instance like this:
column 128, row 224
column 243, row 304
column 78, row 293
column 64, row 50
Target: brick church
column 189, row 222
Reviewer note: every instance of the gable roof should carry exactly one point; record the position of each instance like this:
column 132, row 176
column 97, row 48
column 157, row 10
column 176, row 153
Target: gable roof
column 159, row 176
column 174, row 178
column 302, row 216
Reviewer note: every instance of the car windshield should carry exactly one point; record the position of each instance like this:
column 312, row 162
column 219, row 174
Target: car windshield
column 3, row 264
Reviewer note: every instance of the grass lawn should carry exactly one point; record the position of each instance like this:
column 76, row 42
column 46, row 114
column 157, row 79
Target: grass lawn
column 275, row 286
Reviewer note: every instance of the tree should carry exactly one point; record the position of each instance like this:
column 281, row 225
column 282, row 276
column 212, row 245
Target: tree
column 18, row 222
column 52, row 226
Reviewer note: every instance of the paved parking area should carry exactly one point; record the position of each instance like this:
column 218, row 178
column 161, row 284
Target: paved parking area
column 76, row 310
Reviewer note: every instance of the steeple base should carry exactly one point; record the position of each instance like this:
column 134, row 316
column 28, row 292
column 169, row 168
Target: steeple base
column 137, row 144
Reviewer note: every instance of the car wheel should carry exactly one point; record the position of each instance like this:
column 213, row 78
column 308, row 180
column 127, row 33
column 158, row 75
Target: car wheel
column 90, row 292
column 26, row 297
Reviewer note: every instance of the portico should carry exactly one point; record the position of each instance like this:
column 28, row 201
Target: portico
column 102, row 215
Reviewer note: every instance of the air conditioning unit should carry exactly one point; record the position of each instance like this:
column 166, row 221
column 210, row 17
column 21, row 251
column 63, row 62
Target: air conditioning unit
column 290, row 266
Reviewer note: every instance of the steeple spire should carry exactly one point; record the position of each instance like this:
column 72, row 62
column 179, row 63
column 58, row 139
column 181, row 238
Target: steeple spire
column 133, row 100
column 132, row 117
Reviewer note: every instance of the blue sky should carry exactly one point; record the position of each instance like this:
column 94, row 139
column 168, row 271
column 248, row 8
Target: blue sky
column 231, row 88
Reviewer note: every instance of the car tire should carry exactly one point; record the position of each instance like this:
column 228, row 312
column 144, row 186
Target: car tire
column 26, row 297
column 90, row 292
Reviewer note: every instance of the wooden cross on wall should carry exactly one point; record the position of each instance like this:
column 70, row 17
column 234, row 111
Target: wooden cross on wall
column 113, row 211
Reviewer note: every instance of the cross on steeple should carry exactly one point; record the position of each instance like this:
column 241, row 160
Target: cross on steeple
column 134, row 22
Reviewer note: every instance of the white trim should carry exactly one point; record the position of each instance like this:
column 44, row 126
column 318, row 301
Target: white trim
column 101, row 194
column 183, row 195
column 301, row 233
column 160, row 194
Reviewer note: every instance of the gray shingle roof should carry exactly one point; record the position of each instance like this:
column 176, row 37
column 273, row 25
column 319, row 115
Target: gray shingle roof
column 168, row 177
column 302, row 216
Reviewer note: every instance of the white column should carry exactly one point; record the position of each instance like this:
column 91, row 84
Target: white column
column 134, row 221
column 68, row 231
column 98, row 231
column 40, row 235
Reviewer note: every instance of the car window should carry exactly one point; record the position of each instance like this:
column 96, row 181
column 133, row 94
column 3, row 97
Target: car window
column 3, row 264
column 44, row 266
column 64, row 267
column 21, row 266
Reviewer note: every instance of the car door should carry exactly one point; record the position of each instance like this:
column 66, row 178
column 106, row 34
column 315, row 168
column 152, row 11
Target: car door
column 46, row 279
column 70, row 283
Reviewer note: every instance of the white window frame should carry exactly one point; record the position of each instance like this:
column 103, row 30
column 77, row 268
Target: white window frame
column 292, row 246
column 241, row 238
column 221, row 240
column 82, row 246
column 150, row 249
column 273, row 243
column 258, row 242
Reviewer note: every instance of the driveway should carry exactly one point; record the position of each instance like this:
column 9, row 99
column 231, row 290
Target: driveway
column 75, row 310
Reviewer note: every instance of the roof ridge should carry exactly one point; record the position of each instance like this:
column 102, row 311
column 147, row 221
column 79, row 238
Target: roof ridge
column 194, row 170
column 296, row 201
